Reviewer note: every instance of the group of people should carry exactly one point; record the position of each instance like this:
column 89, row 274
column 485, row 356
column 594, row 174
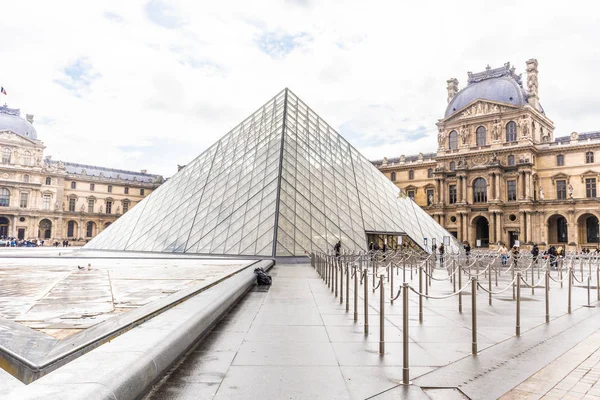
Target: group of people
column 65, row 243
column 14, row 242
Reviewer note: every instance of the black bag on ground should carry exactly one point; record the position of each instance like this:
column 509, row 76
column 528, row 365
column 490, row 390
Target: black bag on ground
column 262, row 278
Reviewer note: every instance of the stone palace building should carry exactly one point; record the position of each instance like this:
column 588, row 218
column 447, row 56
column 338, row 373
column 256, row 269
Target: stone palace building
column 500, row 174
column 54, row 200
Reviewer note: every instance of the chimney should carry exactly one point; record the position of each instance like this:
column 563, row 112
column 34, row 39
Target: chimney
column 532, row 83
column 144, row 171
column 29, row 118
column 452, row 88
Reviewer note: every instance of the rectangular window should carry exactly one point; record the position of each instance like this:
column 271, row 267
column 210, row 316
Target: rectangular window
column 73, row 185
column 46, row 204
column 411, row 194
column 92, row 186
column 126, row 190
column 24, row 198
column 125, row 206
column 109, row 188
column 90, row 206
column 560, row 160
column 561, row 190
column 72, row 203
column 430, row 198
column 109, row 207
column 590, row 187
column 142, row 191
column 511, row 188
column 452, row 194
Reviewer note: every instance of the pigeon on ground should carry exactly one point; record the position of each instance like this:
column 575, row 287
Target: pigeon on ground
column 80, row 267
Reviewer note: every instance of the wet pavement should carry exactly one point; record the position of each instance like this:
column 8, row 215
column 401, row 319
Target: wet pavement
column 50, row 294
column 296, row 341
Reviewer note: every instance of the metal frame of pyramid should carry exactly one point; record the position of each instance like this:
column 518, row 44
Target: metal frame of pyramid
column 281, row 183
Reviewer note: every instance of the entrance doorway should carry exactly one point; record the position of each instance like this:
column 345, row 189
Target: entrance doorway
column 21, row 233
column 513, row 237
column 4, row 222
column 482, row 231
column 390, row 240
column 45, row 230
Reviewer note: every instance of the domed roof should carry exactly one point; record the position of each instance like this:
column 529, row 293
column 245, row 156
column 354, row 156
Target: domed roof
column 499, row 84
column 11, row 120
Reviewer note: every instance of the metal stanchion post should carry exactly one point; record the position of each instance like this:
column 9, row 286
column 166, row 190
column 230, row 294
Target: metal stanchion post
column 490, row 287
column 589, row 283
column 459, row 286
column 420, row 296
column 560, row 275
column 532, row 281
column 518, row 326
column 405, row 369
column 341, row 265
column 496, row 273
column 598, row 281
column 381, row 314
column 347, row 287
column 426, row 279
column 366, row 299
column 474, row 315
column 403, row 270
column 431, row 266
column 336, row 276
column 375, row 269
column 570, row 289
column 392, row 285
column 356, row 278
column 547, row 296
column 512, row 269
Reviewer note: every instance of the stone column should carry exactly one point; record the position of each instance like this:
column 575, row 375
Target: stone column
column 498, row 187
column 499, row 227
column 442, row 191
column 527, row 184
column 460, row 229
column 529, row 231
column 443, row 220
column 459, row 189
column 522, row 233
column 466, row 228
column 519, row 188
column 493, row 227
column 438, row 190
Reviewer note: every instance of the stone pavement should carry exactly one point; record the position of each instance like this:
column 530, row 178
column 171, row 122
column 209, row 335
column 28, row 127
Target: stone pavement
column 296, row 341
column 53, row 296
column 574, row 375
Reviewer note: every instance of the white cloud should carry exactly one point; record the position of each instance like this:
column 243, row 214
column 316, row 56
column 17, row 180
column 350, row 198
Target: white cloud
column 160, row 81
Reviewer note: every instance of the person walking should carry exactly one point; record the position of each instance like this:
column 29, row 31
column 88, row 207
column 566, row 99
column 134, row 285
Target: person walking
column 515, row 255
column 337, row 248
column 441, row 251
column 535, row 252
column 504, row 254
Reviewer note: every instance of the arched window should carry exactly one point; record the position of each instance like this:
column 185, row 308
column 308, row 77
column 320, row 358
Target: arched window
column 48, row 181
column 27, row 158
column 392, row 178
column 6, row 154
column 479, row 190
column 411, row 175
column 71, row 229
column 453, row 140
column 26, row 178
column 560, row 160
column 589, row 157
column 89, row 229
column 4, row 197
column 511, row 160
column 480, row 136
column 452, row 166
column 511, row 131
column 430, row 173
column 562, row 230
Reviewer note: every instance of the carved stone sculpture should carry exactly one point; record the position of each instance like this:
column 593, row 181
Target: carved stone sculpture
column 464, row 134
column 525, row 126
column 452, row 88
column 441, row 138
column 532, row 77
column 570, row 190
column 496, row 128
column 541, row 193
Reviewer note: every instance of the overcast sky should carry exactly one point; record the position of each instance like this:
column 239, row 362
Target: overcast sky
column 151, row 84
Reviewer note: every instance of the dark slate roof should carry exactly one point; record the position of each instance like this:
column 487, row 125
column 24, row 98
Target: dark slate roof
column 498, row 84
column 111, row 173
column 582, row 137
column 408, row 159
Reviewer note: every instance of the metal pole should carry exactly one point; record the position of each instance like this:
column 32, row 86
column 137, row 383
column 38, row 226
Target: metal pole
column 598, row 280
column 570, row 289
column 496, row 271
column 474, row 314
column 560, row 274
column 356, row 278
column 405, row 370
column 381, row 314
column 532, row 281
column 403, row 270
column 459, row 286
column 347, row 287
column 518, row 327
column 490, row 287
column 426, row 279
column 366, row 299
column 512, row 269
column 392, row 285
column 341, row 265
column 547, row 297
column 336, row 277
column 420, row 295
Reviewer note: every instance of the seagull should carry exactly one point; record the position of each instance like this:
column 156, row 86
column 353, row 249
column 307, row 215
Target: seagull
column 80, row 267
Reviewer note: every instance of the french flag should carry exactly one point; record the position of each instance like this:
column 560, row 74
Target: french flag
column 2, row 90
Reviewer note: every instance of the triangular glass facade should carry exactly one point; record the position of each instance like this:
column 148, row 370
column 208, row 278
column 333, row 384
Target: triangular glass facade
column 281, row 183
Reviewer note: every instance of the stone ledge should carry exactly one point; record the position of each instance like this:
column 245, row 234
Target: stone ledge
column 128, row 365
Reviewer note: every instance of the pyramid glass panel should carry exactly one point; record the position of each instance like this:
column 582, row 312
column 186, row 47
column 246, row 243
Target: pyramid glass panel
column 281, row 183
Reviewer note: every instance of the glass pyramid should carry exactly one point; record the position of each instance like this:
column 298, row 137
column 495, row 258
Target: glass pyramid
column 281, row 183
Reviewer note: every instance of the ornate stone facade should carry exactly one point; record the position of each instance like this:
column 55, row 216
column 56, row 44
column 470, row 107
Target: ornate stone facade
column 55, row 200
column 499, row 174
